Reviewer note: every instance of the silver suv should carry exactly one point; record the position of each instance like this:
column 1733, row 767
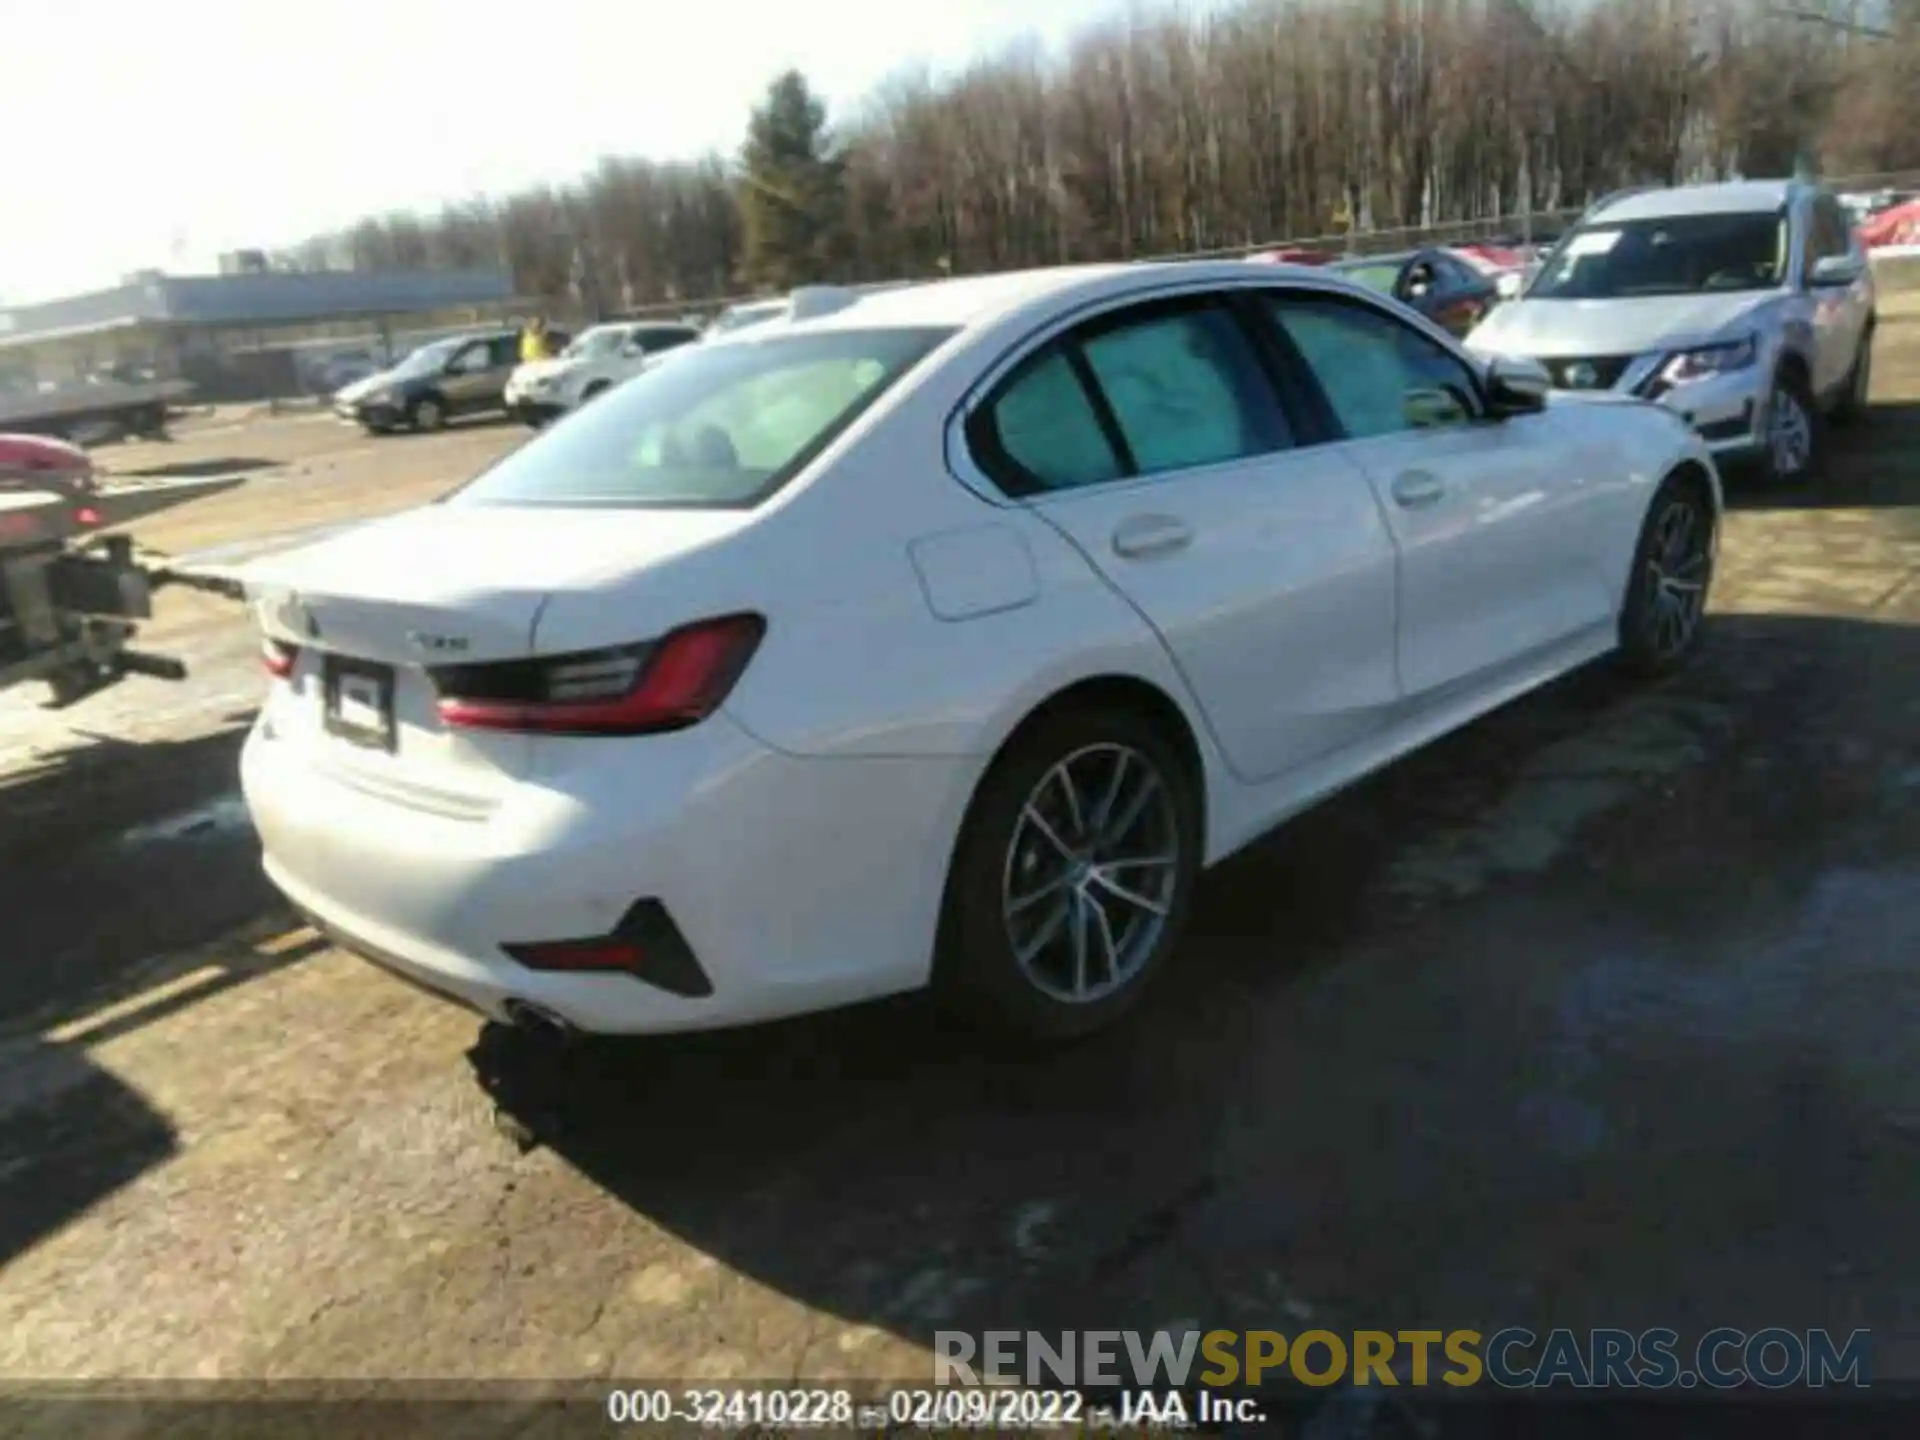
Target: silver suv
column 1746, row 307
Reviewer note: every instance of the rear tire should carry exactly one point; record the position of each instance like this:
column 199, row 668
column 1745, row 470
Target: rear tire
column 1072, row 877
column 1667, row 589
column 592, row 390
column 426, row 414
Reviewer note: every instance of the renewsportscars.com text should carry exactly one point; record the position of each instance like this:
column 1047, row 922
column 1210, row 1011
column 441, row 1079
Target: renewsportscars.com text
column 1514, row 1358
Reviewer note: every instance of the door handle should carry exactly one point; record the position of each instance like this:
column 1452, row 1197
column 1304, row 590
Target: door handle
column 1146, row 535
column 1417, row 489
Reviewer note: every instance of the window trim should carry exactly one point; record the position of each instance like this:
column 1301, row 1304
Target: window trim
column 1336, row 432
column 987, row 459
column 1241, row 290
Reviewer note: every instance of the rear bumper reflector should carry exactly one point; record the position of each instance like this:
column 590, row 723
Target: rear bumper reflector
column 646, row 944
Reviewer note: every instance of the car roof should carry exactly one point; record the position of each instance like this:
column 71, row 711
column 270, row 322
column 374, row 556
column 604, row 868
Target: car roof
column 1729, row 197
column 1354, row 262
column 978, row 302
column 975, row 300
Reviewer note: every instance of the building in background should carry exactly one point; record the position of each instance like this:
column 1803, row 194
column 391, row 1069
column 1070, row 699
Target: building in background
column 249, row 332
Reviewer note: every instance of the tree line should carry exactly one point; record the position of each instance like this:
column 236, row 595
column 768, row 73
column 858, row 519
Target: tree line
column 1167, row 132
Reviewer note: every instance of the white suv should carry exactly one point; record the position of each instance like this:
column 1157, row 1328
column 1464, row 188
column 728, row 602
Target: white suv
column 543, row 390
column 1745, row 307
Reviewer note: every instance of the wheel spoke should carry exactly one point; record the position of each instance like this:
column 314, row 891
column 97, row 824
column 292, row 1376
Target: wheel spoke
column 1021, row 903
column 1065, row 779
column 1044, row 936
column 1694, row 564
column 1077, row 933
column 1112, row 797
column 1105, row 928
column 1099, row 876
column 1136, row 807
column 1039, row 822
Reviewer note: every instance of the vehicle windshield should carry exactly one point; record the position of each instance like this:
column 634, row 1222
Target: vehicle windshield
column 1375, row 275
column 594, row 343
column 427, row 360
column 722, row 427
column 1675, row 255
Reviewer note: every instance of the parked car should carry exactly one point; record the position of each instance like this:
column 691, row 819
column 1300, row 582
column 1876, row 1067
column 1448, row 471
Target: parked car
column 752, row 312
column 1746, row 307
column 601, row 357
column 941, row 639
column 1442, row 286
column 462, row 375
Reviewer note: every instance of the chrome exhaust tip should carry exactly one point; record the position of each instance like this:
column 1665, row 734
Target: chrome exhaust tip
column 538, row 1020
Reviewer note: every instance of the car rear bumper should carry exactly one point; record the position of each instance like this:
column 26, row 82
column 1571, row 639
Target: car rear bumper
column 795, row 885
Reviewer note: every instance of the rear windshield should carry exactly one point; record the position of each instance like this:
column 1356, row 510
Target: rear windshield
column 723, row 426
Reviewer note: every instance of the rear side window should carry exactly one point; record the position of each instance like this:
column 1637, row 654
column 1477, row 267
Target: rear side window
column 1043, row 433
column 1157, row 388
column 723, row 426
column 1186, row 389
column 503, row 350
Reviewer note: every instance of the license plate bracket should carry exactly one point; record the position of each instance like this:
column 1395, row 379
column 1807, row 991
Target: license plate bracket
column 358, row 696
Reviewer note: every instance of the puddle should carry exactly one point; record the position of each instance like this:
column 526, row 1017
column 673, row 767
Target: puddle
column 222, row 816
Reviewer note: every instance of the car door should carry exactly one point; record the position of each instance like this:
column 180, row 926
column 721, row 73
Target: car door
column 467, row 377
column 1492, row 519
column 1155, row 440
column 1839, row 311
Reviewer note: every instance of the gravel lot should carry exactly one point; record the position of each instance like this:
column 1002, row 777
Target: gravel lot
column 1601, row 1013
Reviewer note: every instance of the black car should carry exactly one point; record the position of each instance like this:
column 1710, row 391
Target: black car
column 1441, row 286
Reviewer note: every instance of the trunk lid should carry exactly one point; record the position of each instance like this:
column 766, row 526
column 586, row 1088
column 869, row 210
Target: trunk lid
column 374, row 608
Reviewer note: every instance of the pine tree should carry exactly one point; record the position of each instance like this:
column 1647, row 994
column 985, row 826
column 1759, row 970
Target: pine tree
column 792, row 197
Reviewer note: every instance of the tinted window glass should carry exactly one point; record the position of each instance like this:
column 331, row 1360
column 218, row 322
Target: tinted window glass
column 1186, row 388
column 1829, row 233
column 1380, row 376
column 503, row 350
column 721, row 426
column 1041, row 433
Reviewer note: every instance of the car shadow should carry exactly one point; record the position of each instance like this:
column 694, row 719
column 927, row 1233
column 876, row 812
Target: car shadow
column 205, row 469
column 99, row 843
column 1873, row 463
column 1349, row 1098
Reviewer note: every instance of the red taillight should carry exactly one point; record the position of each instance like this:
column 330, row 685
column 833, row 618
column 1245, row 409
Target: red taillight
column 279, row 657
column 87, row 515
column 606, row 954
column 669, row 684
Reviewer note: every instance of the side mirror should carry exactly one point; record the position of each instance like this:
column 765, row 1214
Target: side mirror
column 1516, row 386
column 1834, row 272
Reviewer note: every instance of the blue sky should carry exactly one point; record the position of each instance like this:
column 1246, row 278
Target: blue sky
column 161, row 134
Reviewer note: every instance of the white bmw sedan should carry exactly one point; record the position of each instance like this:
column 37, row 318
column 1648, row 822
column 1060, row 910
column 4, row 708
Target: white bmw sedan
column 939, row 640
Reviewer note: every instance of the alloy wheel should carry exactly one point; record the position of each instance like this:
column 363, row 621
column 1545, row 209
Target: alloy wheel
column 1789, row 433
column 1091, row 873
column 1678, row 560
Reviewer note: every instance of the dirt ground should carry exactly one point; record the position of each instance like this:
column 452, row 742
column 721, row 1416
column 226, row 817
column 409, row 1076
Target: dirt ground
column 1599, row 1013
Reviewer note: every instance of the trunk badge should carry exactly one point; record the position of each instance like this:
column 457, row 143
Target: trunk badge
column 437, row 644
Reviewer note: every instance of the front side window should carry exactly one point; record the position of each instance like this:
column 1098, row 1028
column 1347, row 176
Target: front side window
column 1828, row 235
column 1379, row 376
column 1678, row 255
column 724, row 426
